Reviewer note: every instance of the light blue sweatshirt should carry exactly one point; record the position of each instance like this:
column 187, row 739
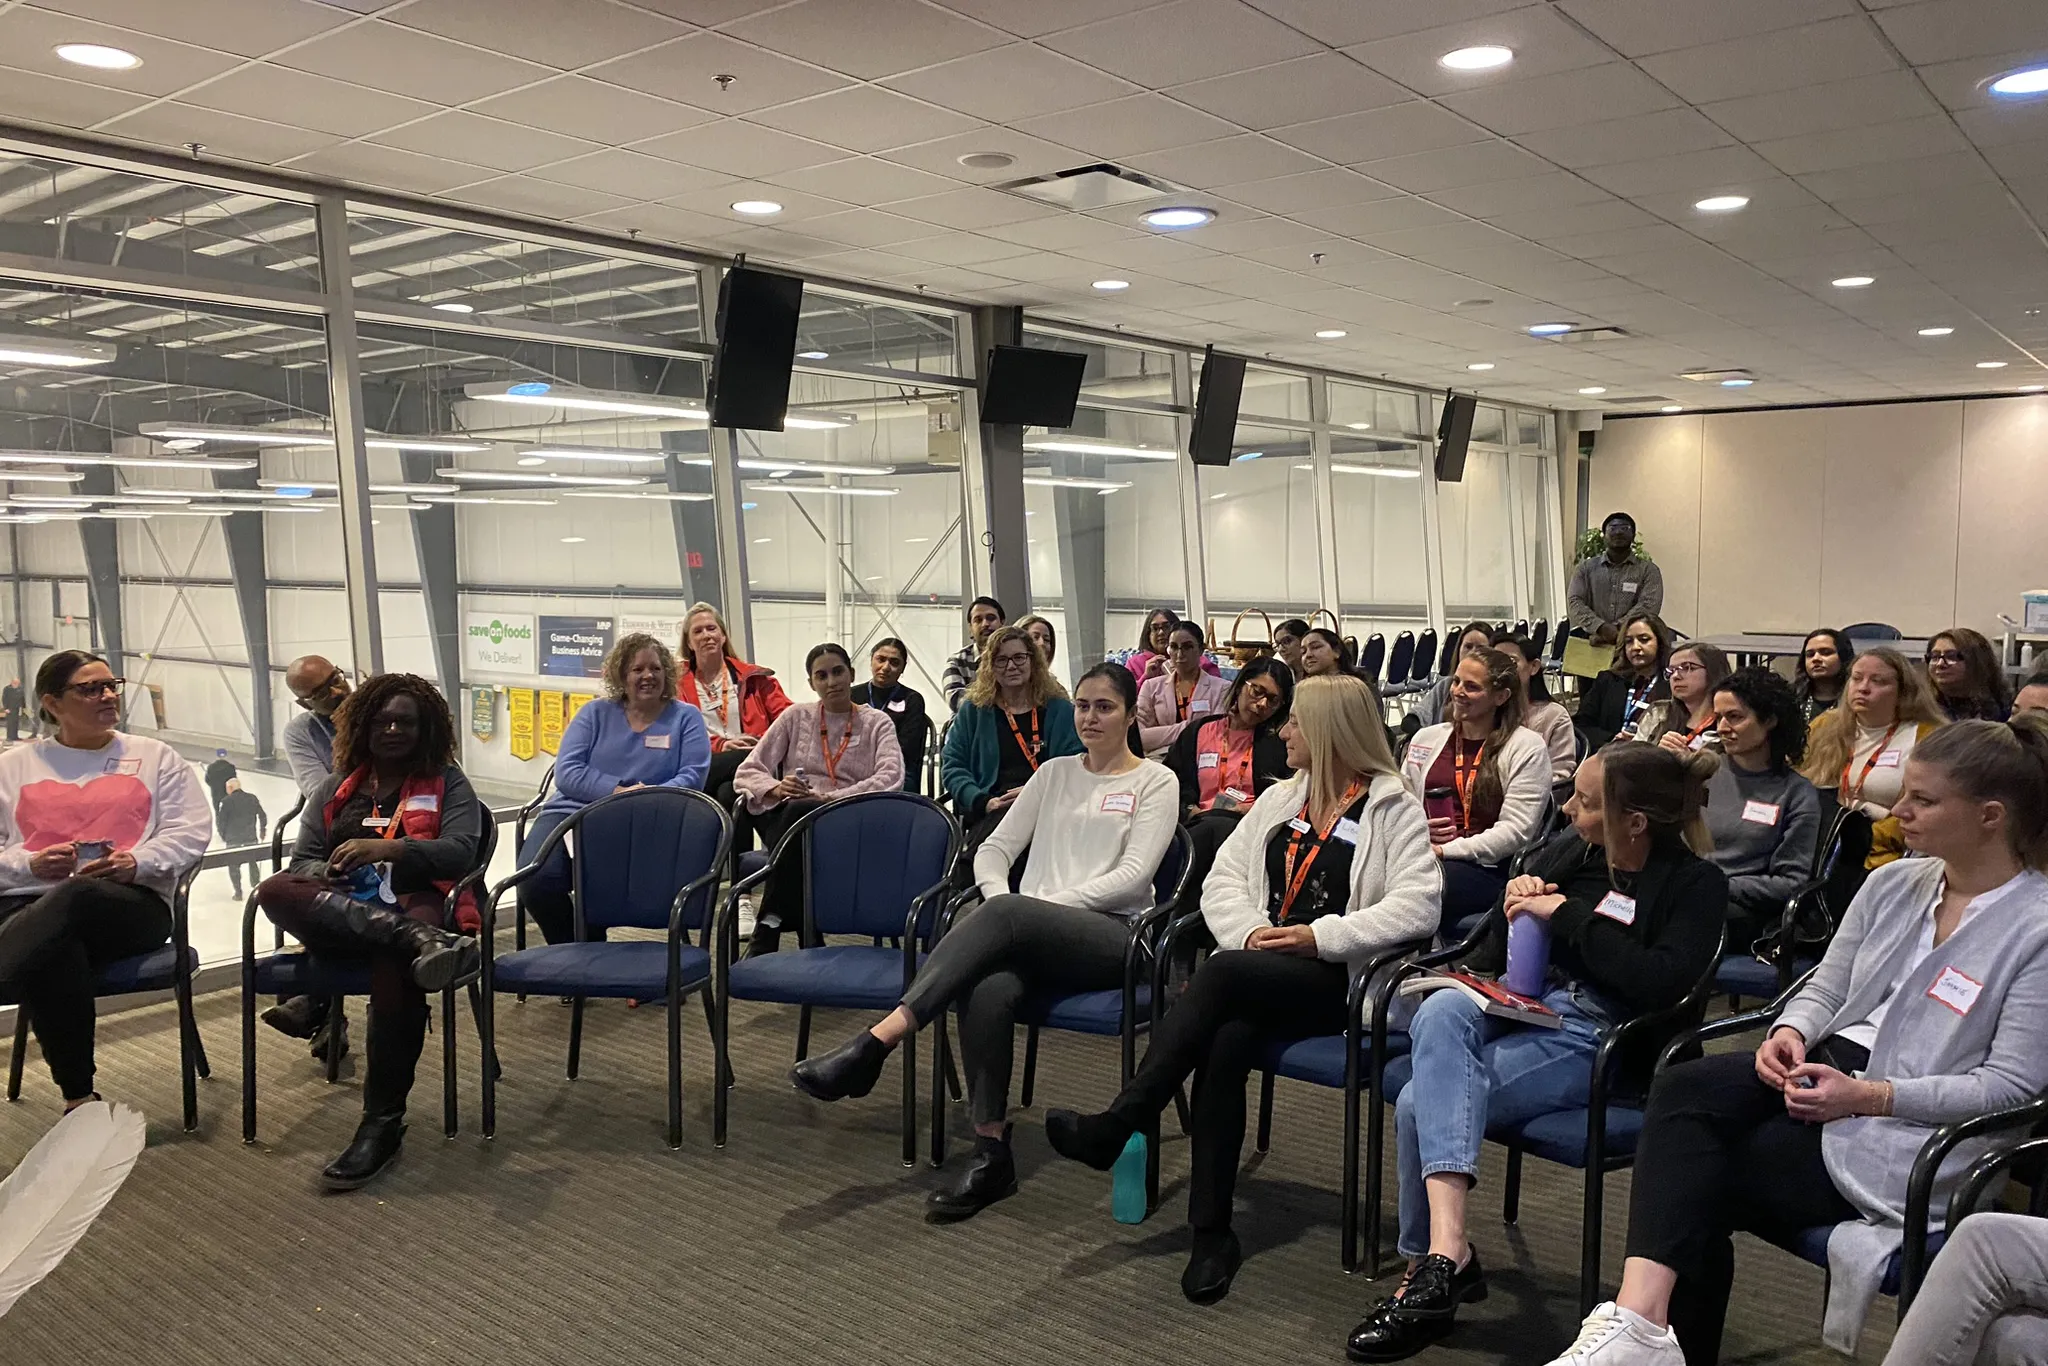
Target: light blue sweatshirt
column 601, row 750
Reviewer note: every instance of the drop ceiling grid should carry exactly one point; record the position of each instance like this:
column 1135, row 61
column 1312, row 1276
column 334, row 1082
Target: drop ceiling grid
column 1419, row 187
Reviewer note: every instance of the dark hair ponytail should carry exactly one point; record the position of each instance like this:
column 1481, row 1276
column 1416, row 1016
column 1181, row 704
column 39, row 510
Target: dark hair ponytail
column 820, row 651
column 1669, row 791
column 56, row 673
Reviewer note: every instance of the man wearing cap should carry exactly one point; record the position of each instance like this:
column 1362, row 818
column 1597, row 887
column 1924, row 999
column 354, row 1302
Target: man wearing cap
column 1608, row 587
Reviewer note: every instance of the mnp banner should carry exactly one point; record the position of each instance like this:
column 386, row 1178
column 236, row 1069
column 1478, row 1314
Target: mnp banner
column 519, row 721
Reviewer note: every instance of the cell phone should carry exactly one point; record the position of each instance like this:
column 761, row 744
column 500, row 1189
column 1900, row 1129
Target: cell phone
column 92, row 851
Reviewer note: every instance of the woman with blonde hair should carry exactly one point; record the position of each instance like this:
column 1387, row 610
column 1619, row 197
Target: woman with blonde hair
column 1013, row 718
column 737, row 700
column 1859, row 748
column 1327, row 869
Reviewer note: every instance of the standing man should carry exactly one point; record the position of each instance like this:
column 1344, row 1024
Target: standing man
column 242, row 821
column 1608, row 587
column 320, row 688
column 984, row 615
column 219, row 774
column 11, row 702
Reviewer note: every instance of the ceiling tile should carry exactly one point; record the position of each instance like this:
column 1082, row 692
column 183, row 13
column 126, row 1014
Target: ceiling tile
column 866, row 38
column 68, row 104
column 227, row 136
column 1307, row 88
column 1338, row 22
column 1325, row 189
column 1041, row 17
column 29, row 38
column 1455, row 166
column 248, row 28
column 583, row 108
column 1186, row 40
column 963, row 249
column 1833, row 50
column 684, row 70
column 387, row 168
column 544, row 199
column 1719, row 170
column 1638, row 28
column 1032, row 155
column 1811, row 152
column 716, row 201
column 973, row 209
column 1547, row 224
column 1921, row 174
column 309, row 101
column 658, row 223
column 1882, row 97
column 1552, row 189
column 1248, row 156
column 1006, row 84
column 863, row 180
column 1543, row 44
column 1662, row 132
column 2005, row 123
column 865, row 118
column 707, row 13
column 1417, row 126
column 460, row 136
column 564, row 36
column 385, row 57
column 1363, row 221
column 739, row 148
column 1129, row 127
column 1062, row 234
column 629, row 174
column 1587, row 95
column 1945, row 30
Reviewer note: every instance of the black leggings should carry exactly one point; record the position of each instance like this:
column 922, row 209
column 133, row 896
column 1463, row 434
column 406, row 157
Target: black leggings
column 718, row 779
column 52, row 945
column 1206, row 832
column 782, row 896
column 1719, row 1154
column 1240, row 1001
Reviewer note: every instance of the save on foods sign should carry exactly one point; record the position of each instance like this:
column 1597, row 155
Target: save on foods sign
column 498, row 643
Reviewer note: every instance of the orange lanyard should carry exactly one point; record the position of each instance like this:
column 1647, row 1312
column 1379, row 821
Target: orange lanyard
column 1030, row 750
column 833, row 756
column 725, row 691
column 1180, row 703
column 1297, row 876
column 1856, row 794
column 1464, row 779
column 1235, row 765
column 1701, row 729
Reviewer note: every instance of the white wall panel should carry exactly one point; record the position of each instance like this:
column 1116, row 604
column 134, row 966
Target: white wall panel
column 2001, row 549
column 1650, row 469
column 1760, row 561
column 1888, row 532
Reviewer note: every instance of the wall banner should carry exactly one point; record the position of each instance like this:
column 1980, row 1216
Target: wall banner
column 497, row 643
column 550, row 722
column 574, row 647
column 667, row 630
column 483, row 712
column 519, row 721
column 577, row 702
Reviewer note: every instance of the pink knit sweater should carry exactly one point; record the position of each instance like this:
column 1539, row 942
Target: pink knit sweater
column 872, row 762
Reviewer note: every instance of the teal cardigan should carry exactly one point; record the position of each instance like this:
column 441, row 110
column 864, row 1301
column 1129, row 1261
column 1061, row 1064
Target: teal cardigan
column 972, row 761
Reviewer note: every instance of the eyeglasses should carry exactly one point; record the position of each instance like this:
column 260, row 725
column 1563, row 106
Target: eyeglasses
column 1944, row 656
column 336, row 682
column 1676, row 669
column 1013, row 661
column 97, row 688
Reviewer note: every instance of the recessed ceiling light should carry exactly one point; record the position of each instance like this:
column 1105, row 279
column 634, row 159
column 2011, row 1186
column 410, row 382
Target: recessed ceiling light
column 1480, row 365
column 533, row 460
column 1331, row 334
column 2032, row 80
column 572, row 540
column 1483, row 58
column 1936, row 331
column 1990, row 365
column 1594, row 389
column 1549, row 329
column 456, row 308
column 987, row 161
column 1736, row 383
column 1671, row 408
column 1722, row 203
column 99, row 55
column 1175, row 219
column 1111, row 286
column 756, row 208
column 813, row 355
column 1854, row 281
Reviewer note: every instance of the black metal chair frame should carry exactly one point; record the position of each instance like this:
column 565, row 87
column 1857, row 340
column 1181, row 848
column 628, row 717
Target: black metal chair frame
column 192, row 1063
column 485, row 997
column 725, row 939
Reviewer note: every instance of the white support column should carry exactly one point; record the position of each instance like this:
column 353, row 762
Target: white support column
column 351, row 457
column 1326, row 504
column 1432, row 535
column 1193, row 554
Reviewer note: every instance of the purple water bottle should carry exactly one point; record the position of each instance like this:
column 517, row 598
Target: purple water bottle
column 1528, row 956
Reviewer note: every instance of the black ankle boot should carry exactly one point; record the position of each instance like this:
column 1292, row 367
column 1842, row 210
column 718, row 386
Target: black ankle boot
column 850, row 1070
column 766, row 936
column 1211, row 1266
column 375, row 1147
column 440, row 960
column 298, row 1018
column 990, row 1175
column 333, row 1033
column 1096, row 1140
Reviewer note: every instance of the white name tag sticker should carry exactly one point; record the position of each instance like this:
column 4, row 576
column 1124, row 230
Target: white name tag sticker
column 131, row 767
column 1234, row 795
column 1120, row 803
column 655, row 741
column 1199, row 704
column 425, row 801
column 1699, row 741
column 1347, row 830
column 376, row 822
column 1298, row 826
column 1760, row 813
column 1420, row 754
column 1629, row 585
column 1206, row 760
column 1617, row 907
column 898, row 705
column 1955, row 990
column 1889, row 759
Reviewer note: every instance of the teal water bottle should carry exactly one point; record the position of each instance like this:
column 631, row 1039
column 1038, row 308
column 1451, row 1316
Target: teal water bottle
column 1127, row 1202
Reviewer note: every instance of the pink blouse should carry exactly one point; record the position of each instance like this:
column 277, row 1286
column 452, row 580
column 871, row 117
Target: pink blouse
column 1159, row 715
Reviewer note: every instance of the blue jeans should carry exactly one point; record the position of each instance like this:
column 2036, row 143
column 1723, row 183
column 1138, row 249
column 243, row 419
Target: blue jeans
column 1472, row 1070
column 545, row 896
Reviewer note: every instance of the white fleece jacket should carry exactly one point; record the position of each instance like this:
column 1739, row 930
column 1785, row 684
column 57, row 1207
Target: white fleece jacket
column 1525, row 773
column 1396, row 885
column 136, row 794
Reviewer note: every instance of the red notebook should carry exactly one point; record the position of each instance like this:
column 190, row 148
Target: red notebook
column 1489, row 995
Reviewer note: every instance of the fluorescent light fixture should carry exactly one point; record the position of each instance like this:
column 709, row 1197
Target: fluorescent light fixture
column 2030, row 388
column 2032, row 80
column 814, row 355
column 1722, row 203
column 612, row 454
column 194, row 511
column 1990, row 365
column 1359, row 426
column 148, row 462
column 1549, row 329
column 423, row 444
column 1594, row 389
column 29, row 348
column 456, row 308
column 1736, row 383
column 53, row 477
column 1935, row 331
column 756, row 208
column 1111, row 286
column 1078, row 447
column 817, row 422
column 572, row 540
column 185, row 443
column 1480, row 365
column 1178, row 218
column 149, row 500
column 768, row 465
column 1853, row 281
column 285, row 436
column 537, row 393
column 1383, row 471
column 311, row 486
column 530, row 460
column 1331, row 334
column 650, row 497
column 830, row 490
column 1671, row 408
column 264, row 507
column 1487, row 57
column 1073, row 481
column 50, row 500
column 510, row 477
column 98, row 56
column 429, row 499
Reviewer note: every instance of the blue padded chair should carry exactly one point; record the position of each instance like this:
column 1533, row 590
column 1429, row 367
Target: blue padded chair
column 648, row 858
column 1373, row 658
column 1539, row 634
column 1400, row 659
column 1596, row 1138
column 168, row 967
column 875, row 866
column 524, row 823
column 1424, row 671
column 285, row 973
column 1871, row 633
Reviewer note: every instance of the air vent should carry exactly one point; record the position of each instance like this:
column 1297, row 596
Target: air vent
column 1100, row 186
column 1583, row 335
column 1714, row 376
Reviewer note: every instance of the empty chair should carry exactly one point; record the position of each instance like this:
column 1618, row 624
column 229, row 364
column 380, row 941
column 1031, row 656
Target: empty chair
column 1540, row 633
column 1448, row 660
column 1424, row 668
column 1373, row 657
column 1564, row 633
column 1872, row 630
column 1399, row 660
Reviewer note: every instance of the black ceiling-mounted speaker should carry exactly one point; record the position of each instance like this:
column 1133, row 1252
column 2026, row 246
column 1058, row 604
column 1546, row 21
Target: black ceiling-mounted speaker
column 1215, row 426
column 1453, row 435
column 757, row 317
column 1031, row 386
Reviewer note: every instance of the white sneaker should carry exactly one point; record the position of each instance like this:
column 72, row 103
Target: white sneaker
column 1611, row 1336
column 750, row 905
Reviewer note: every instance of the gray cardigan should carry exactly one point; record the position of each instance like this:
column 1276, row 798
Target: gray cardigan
column 1944, row 1066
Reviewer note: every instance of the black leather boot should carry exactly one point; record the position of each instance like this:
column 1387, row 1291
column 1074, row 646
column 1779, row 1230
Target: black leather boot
column 1095, row 1140
column 1211, row 1266
column 850, row 1070
column 990, row 1175
column 333, row 1033
column 439, row 959
column 375, row 1147
column 298, row 1018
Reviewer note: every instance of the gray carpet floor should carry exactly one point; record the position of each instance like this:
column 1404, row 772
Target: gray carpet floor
column 576, row 1236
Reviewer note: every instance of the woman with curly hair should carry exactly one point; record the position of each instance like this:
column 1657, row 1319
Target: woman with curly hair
column 639, row 734
column 1764, row 816
column 379, row 847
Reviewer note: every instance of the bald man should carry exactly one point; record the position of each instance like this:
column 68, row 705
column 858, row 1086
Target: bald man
column 320, row 688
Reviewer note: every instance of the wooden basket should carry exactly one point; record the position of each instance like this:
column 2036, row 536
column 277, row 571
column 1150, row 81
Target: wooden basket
column 1243, row 650
column 1336, row 628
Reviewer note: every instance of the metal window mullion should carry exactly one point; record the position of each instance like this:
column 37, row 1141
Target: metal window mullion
column 1193, row 555
column 1518, row 533
column 351, row 456
column 1319, row 446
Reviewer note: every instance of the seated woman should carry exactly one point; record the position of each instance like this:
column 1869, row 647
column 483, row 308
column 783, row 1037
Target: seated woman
column 639, row 734
column 815, row 752
column 1043, row 636
column 1324, row 654
column 1633, row 915
column 1685, row 720
column 1860, row 748
column 1287, row 643
column 1153, row 656
column 95, row 829
column 1969, row 684
column 1540, row 712
column 1823, row 671
column 1227, row 763
column 886, row 691
column 1927, row 1009
column 1181, row 695
column 1014, row 718
column 379, row 846
column 1764, row 816
column 1096, row 826
column 1474, row 638
column 738, row 700
column 1614, row 701
column 1484, row 781
column 1328, row 869
column 1985, row 1299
